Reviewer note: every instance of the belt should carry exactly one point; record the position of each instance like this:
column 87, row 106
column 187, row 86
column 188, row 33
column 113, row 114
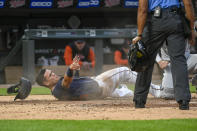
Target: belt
column 173, row 9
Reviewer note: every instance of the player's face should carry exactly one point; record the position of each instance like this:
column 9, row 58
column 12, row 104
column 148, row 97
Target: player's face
column 50, row 78
column 80, row 45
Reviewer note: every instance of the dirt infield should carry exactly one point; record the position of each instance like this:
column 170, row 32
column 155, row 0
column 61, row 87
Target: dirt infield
column 47, row 107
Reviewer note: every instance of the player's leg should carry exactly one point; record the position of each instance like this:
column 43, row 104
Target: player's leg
column 166, row 89
column 117, row 75
column 192, row 68
column 166, row 93
column 155, row 91
column 109, row 80
column 167, row 84
column 167, row 81
column 192, row 64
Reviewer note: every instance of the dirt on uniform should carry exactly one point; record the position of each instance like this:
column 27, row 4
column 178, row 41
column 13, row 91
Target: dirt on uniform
column 47, row 107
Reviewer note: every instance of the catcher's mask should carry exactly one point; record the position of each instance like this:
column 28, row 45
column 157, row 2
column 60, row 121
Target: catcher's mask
column 23, row 88
column 138, row 57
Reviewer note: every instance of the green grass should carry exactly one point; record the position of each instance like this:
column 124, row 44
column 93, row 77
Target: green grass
column 99, row 125
column 46, row 91
column 34, row 91
column 192, row 88
column 132, row 87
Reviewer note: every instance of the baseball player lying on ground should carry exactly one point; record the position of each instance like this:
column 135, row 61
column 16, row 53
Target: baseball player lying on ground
column 103, row 85
column 163, row 59
column 84, row 88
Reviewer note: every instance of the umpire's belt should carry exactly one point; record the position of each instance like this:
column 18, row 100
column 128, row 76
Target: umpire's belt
column 173, row 9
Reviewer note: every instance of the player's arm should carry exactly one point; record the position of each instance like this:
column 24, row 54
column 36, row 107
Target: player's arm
column 69, row 74
column 68, row 55
column 158, row 58
column 118, row 60
column 162, row 63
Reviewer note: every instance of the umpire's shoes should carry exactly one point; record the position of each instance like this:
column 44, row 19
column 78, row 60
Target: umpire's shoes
column 139, row 104
column 183, row 105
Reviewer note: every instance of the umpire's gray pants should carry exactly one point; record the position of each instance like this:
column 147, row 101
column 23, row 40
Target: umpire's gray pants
column 169, row 27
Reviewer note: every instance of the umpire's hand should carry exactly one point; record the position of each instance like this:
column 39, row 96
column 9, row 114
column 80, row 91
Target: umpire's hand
column 136, row 39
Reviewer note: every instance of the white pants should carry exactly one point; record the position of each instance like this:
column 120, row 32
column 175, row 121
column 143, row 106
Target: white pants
column 109, row 80
column 167, row 82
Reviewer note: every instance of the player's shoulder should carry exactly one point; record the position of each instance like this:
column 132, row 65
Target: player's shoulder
column 59, row 83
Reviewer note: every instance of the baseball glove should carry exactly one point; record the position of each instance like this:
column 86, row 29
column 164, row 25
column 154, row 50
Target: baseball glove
column 138, row 57
column 23, row 88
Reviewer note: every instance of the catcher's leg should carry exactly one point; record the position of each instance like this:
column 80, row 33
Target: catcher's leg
column 155, row 90
column 192, row 64
column 192, row 68
column 166, row 93
column 167, row 81
column 166, row 90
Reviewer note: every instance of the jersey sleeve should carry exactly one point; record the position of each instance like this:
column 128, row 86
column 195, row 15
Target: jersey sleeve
column 158, row 58
column 68, row 55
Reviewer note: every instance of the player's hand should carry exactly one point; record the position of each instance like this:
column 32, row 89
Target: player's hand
column 136, row 39
column 76, row 59
column 75, row 65
column 163, row 64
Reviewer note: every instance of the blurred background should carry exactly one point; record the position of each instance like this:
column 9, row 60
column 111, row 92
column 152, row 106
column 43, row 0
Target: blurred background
column 24, row 51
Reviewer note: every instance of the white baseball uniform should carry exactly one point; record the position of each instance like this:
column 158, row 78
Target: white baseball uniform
column 109, row 80
column 167, row 88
